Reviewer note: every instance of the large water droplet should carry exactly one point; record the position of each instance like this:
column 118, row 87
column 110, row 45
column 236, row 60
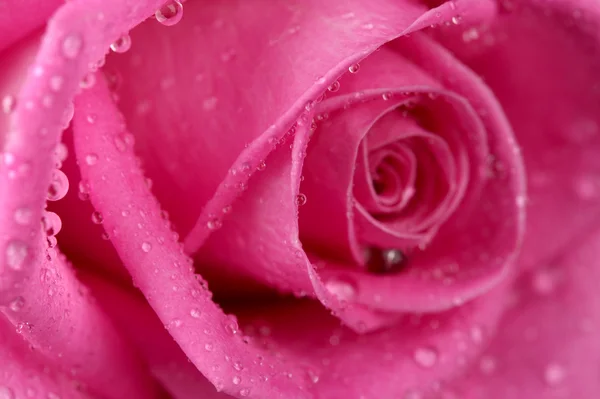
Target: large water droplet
column 554, row 374
column 59, row 185
column 122, row 44
column 16, row 252
column 170, row 13
column 345, row 290
column 51, row 223
column 335, row 86
column 426, row 357
column 300, row 199
column 382, row 261
column 71, row 46
column 236, row 379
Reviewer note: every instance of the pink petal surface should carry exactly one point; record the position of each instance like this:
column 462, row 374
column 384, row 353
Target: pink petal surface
column 18, row 18
column 25, row 374
column 541, row 59
column 166, row 361
column 547, row 342
column 146, row 245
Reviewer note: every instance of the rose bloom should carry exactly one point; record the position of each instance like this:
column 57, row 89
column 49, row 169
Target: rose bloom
column 386, row 199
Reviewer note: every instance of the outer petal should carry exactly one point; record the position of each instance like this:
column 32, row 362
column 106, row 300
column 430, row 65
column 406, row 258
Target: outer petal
column 547, row 342
column 542, row 60
column 155, row 260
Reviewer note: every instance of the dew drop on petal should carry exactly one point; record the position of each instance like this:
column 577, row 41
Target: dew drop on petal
column 91, row 159
column 300, row 199
column 425, row 357
column 59, row 185
column 236, row 379
column 487, row 365
column 354, row 68
column 16, row 305
column 214, row 224
column 384, row 261
column 208, row 347
column 16, row 252
column 195, row 313
column 8, row 104
column 170, row 13
column 335, row 86
column 554, row 374
column 88, row 81
column 71, row 46
column 23, row 216
column 51, row 223
column 344, row 289
column 244, row 392
column 122, row 44
column 146, row 246
column 261, row 166
column 97, row 217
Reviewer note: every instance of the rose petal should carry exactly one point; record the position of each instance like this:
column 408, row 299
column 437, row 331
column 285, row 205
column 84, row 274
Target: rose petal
column 77, row 35
column 25, row 374
column 19, row 18
column 166, row 361
column 547, row 345
column 541, row 61
column 145, row 243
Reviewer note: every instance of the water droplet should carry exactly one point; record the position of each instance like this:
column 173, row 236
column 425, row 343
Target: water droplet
column 56, row 83
column 335, row 86
column 84, row 190
column 122, row 44
column 214, row 224
column 554, row 374
column 470, row 35
column 146, row 246
column 386, row 96
column 59, row 185
column 16, row 305
column 544, row 282
column 383, row 261
column 16, row 252
column 97, row 217
column 487, row 365
column 195, row 313
column 91, row 118
column 89, row 80
column 6, row 393
column 587, row 187
column 300, row 199
column 456, row 19
column 71, row 46
column 8, row 104
column 170, row 13
column 23, row 216
column 426, row 357
column 91, row 159
column 244, row 392
column 51, row 223
column 477, row 334
column 345, row 290
column 208, row 347
column 236, row 379
column 354, row 68
column 261, row 166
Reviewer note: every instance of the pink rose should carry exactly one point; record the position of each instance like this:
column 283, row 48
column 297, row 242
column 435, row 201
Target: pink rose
column 389, row 199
